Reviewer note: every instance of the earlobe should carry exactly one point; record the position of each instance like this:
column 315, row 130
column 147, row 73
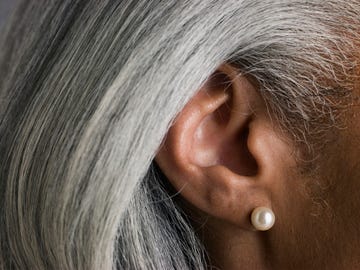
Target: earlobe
column 219, row 153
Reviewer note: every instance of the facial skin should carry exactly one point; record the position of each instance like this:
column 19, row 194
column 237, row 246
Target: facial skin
column 226, row 156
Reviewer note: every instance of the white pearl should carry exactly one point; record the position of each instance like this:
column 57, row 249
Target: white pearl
column 262, row 218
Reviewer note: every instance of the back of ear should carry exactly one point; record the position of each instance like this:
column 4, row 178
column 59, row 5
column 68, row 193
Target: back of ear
column 222, row 153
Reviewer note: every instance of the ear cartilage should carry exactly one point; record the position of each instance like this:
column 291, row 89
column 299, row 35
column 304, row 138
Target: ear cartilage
column 262, row 218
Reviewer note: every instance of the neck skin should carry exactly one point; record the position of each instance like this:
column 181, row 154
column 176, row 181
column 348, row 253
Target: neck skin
column 232, row 248
column 228, row 246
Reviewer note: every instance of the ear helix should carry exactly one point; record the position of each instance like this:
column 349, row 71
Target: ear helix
column 262, row 218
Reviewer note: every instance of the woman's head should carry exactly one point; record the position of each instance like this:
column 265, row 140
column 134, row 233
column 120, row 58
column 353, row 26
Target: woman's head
column 126, row 124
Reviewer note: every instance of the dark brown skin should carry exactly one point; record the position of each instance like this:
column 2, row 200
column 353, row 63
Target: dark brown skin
column 226, row 157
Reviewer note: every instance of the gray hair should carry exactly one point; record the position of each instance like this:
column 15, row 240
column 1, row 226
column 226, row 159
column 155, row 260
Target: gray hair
column 89, row 89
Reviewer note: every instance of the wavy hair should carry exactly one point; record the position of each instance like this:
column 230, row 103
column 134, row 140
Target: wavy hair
column 89, row 89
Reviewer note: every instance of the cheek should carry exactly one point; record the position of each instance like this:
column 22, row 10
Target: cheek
column 301, row 231
column 345, row 161
column 344, row 196
column 317, row 217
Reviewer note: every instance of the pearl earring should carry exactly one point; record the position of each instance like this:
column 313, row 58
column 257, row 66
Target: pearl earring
column 262, row 218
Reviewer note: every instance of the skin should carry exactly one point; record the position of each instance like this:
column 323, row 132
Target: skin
column 317, row 224
column 225, row 164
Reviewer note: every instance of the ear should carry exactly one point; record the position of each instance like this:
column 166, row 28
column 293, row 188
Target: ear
column 223, row 153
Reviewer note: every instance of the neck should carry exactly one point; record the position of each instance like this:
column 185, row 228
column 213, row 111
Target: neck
column 232, row 248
